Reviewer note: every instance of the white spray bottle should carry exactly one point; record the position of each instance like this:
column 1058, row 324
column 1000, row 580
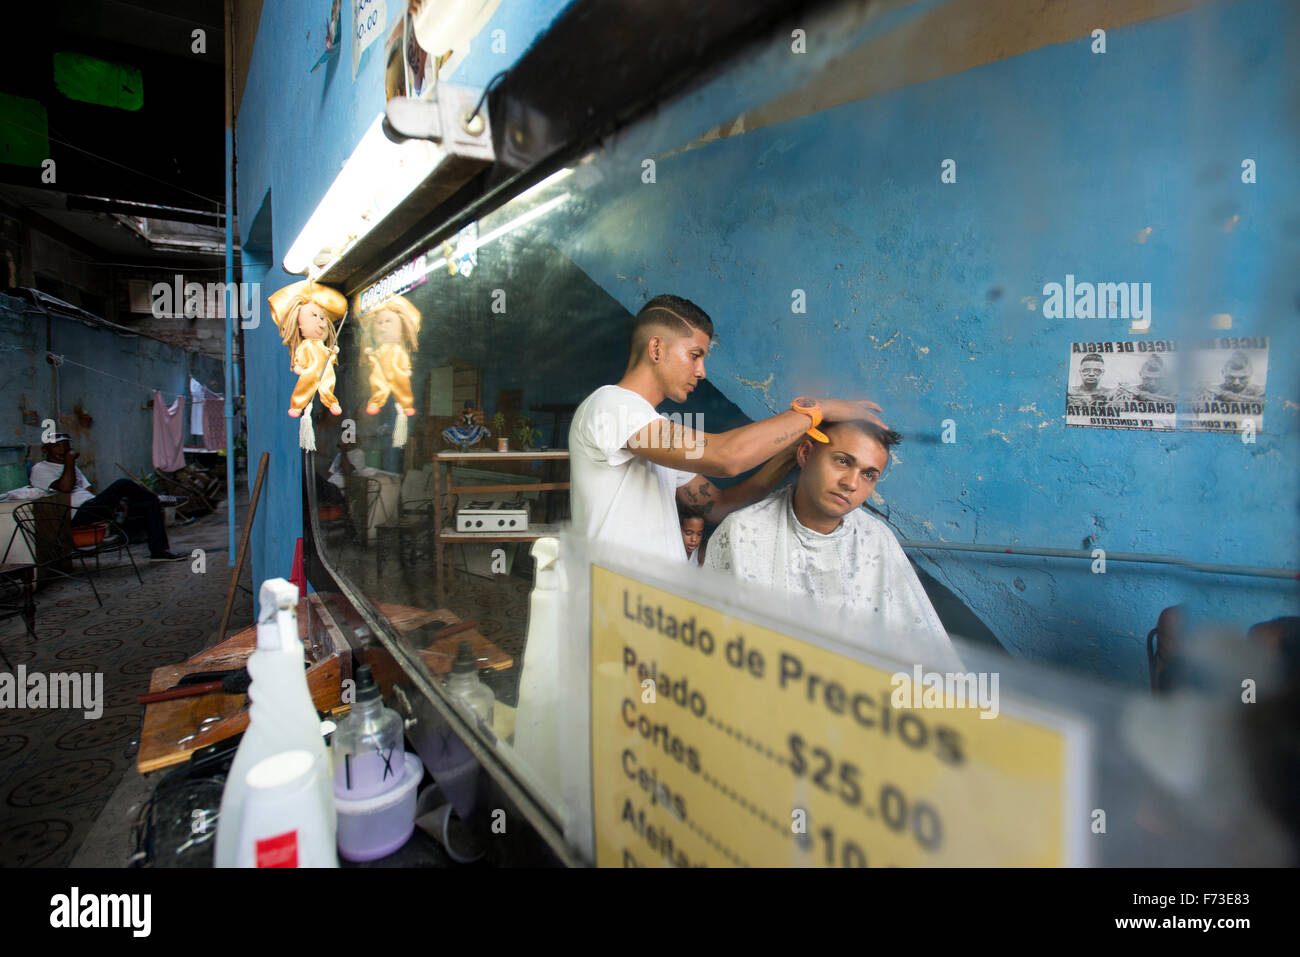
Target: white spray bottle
column 281, row 714
column 536, row 732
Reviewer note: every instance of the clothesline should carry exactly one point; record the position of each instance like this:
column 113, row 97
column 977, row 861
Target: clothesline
column 59, row 360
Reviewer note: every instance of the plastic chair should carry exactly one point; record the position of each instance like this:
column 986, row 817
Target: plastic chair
column 47, row 528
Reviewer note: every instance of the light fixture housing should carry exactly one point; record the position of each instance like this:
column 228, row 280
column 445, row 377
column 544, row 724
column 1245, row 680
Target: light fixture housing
column 386, row 187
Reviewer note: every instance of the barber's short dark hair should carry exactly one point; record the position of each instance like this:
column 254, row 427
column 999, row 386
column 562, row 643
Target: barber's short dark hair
column 886, row 437
column 666, row 310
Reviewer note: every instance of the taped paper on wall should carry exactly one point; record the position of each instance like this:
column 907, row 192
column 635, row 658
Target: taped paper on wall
column 1161, row 385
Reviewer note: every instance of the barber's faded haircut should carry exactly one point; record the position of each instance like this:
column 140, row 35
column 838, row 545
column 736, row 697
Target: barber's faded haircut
column 666, row 311
column 886, row 437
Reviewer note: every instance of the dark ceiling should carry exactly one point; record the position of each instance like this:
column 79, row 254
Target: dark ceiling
column 171, row 151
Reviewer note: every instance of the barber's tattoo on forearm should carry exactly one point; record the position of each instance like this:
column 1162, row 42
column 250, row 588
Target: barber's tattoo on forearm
column 789, row 437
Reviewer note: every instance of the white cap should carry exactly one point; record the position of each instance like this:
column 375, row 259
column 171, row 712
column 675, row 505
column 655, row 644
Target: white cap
column 277, row 615
column 545, row 552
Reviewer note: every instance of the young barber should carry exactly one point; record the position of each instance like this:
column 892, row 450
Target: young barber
column 631, row 465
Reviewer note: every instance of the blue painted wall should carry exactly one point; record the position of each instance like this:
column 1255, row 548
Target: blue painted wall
column 294, row 130
column 926, row 297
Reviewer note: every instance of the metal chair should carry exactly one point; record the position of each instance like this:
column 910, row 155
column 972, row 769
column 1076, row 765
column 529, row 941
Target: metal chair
column 47, row 528
column 412, row 520
column 16, row 585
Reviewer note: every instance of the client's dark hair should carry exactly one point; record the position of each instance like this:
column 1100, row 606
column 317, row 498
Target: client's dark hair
column 886, row 437
column 669, row 311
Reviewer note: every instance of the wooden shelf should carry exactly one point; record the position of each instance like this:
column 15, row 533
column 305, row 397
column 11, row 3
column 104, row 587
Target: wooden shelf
column 536, row 487
column 503, row 456
column 446, row 535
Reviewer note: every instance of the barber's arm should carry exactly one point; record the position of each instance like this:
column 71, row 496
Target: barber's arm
column 726, row 454
column 715, row 503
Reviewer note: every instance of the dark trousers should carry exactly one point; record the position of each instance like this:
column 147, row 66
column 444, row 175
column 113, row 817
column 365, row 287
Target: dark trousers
column 139, row 501
column 326, row 493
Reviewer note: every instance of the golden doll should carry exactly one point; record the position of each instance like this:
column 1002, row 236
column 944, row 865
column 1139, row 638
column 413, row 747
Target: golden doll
column 306, row 315
column 393, row 331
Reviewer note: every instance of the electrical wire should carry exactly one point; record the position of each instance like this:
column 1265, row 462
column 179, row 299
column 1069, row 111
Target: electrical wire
column 152, row 266
column 105, row 159
column 486, row 90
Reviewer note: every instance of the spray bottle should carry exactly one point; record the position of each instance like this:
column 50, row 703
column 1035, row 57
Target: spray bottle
column 464, row 683
column 536, row 733
column 281, row 715
column 369, row 757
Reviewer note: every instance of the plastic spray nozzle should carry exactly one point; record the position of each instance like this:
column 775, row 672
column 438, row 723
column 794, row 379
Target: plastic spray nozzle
column 545, row 551
column 277, row 619
column 465, row 662
column 276, row 594
column 367, row 687
column 546, row 555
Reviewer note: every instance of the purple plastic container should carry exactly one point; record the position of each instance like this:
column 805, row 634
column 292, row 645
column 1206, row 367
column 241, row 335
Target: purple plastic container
column 373, row 827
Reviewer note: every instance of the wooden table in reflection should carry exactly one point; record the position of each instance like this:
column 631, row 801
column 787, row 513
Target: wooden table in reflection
column 439, row 655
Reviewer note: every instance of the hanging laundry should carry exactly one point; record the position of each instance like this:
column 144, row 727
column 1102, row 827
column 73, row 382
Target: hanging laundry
column 214, row 421
column 168, row 433
column 196, row 406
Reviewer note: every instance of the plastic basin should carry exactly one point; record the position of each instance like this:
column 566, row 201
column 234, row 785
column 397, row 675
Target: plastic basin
column 374, row 827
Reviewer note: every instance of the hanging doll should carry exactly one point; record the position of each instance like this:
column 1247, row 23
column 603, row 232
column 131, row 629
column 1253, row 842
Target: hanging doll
column 306, row 314
column 392, row 333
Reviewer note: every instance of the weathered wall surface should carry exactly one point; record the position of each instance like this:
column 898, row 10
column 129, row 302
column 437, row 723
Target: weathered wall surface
column 113, row 427
column 1123, row 166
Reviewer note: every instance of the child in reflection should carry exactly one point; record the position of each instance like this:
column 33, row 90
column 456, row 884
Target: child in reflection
column 692, row 534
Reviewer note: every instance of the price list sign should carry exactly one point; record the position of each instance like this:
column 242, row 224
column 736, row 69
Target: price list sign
column 717, row 742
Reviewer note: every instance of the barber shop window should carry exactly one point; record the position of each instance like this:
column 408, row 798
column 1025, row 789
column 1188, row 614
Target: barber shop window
column 859, row 225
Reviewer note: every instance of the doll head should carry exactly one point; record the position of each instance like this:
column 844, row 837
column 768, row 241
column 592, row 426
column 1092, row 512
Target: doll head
column 305, row 310
column 396, row 321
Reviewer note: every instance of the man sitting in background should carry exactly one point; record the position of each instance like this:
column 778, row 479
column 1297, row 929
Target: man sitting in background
column 814, row 539
column 59, row 473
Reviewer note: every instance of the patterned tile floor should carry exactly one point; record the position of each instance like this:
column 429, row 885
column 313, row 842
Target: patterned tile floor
column 57, row 768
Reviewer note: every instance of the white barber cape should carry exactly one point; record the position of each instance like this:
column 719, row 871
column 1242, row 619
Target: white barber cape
column 859, row 569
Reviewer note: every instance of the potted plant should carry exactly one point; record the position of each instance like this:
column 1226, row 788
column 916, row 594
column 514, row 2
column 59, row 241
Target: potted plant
column 499, row 430
column 525, row 434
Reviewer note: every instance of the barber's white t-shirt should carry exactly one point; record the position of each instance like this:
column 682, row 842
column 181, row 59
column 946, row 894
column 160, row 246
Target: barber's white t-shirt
column 45, row 474
column 618, row 497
